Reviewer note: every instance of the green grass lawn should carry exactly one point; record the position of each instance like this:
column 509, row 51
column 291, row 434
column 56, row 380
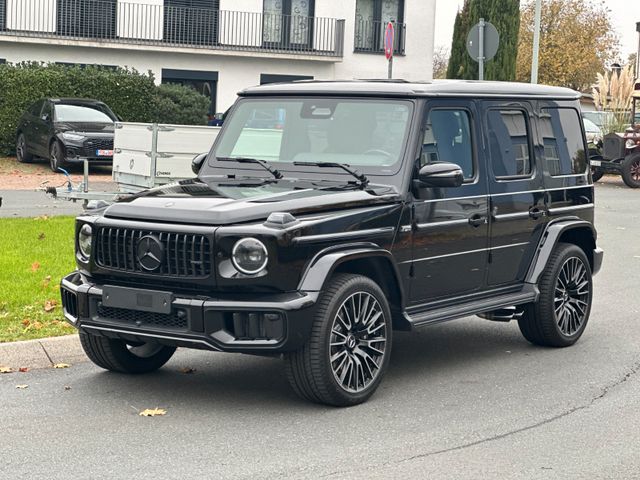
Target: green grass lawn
column 34, row 254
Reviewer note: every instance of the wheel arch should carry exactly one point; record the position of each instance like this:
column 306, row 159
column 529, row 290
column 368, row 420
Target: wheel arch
column 577, row 232
column 371, row 261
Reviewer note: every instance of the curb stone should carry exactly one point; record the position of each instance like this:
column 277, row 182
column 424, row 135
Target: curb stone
column 42, row 353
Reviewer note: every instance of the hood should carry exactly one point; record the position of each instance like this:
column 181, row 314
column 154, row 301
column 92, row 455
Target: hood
column 85, row 127
column 225, row 203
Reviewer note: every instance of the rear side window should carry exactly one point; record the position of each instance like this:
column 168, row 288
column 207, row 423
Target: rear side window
column 564, row 148
column 509, row 143
column 447, row 138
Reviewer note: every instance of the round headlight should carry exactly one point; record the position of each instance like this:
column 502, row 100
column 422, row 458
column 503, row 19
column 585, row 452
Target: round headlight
column 249, row 255
column 84, row 240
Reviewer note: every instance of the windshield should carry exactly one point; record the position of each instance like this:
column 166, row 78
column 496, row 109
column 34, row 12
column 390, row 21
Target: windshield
column 589, row 126
column 368, row 134
column 82, row 113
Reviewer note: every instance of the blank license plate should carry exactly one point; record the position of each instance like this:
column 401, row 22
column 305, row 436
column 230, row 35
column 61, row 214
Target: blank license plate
column 595, row 163
column 104, row 153
column 137, row 299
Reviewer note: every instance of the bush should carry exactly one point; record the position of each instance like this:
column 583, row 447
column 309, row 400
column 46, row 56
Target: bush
column 133, row 96
column 180, row 105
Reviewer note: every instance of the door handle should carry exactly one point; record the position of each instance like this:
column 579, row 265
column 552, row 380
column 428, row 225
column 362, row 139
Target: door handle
column 537, row 213
column 476, row 220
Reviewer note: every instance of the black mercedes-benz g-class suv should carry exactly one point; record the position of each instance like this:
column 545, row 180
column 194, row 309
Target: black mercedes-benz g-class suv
column 353, row 209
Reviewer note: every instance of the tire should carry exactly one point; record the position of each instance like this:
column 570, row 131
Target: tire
column 631, row 170
column 22, row 154
column 559, row 321
column 56, row 156
column 596, row 174
column 355, row 348
column 117, row 356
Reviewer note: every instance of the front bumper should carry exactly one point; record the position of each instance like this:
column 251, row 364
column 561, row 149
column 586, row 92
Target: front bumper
column 250, row 324
column 92, row 160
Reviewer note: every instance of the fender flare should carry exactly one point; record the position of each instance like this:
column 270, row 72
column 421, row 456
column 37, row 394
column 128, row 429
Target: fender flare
column 326, row 261
column 549, row 241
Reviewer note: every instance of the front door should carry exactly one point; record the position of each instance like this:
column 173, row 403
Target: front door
column 518, row 212
column 450, row 229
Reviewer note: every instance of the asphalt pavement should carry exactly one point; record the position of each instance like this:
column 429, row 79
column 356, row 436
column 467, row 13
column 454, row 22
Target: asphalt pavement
column 464, row 399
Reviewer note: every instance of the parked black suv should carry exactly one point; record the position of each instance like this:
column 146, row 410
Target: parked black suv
column 372, row 206
column 66, row 131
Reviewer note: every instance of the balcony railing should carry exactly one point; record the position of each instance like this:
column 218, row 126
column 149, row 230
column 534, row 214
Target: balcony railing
column 155, row 24
column 369, row 37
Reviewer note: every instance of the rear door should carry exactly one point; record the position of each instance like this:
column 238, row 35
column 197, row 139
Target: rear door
column 30, row 125
column 449, row 227
column 517, row 204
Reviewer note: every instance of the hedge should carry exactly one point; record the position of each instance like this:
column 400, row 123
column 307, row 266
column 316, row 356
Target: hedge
column 133, row 96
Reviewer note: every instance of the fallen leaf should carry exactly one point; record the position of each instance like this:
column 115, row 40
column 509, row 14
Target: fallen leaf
column 187, row 370
column 23, row 369
column 37, row 325
column 61, row 365
column 35, row 266
column 43, row 217
column 46, row 281
column 5, row 369
column 67, row 387
column 152, row 412
column 41, row 236
column 49, row 305
column 26, row 322
column 22, row 387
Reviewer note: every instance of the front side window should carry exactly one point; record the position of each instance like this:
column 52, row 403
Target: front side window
column 509, row 143
column 447, row 138
column 82, row 113
column 564, row 148
column 368, row 134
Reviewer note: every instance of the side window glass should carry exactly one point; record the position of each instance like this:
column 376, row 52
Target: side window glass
column 36, row 108
column 509, row 143
column 564, row 149
column 447, row 138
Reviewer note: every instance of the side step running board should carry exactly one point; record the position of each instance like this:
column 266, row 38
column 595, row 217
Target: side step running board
column 527, row 295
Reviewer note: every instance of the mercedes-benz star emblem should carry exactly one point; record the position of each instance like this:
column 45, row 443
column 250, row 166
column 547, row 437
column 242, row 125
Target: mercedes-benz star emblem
column 150, row 253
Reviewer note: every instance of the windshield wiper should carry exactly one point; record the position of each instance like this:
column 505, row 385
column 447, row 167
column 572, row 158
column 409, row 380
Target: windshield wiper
column 276, row 173
column 361, row 177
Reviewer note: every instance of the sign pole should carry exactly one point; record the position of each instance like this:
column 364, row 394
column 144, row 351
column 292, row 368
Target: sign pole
column 481, row 49
column 536, row 42
column 390, row 72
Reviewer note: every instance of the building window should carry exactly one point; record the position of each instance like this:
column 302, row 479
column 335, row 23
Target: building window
column 87, row 18
column 192, row 22
column 372, row 17
column 276, row 78
column 288, row 23
column 203, row 82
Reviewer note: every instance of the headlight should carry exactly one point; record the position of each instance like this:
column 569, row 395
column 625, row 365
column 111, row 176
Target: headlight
column 249, row 256
column 631, row 143
column 84, row 240
column 74, row 137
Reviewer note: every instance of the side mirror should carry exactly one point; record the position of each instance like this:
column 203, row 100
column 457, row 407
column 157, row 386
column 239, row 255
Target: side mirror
column 196, row 163
column 441, row 175
column 45, row 117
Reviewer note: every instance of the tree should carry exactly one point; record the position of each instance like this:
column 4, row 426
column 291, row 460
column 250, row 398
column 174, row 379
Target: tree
column 440, row 62
column 505, row 16
column 576, row 42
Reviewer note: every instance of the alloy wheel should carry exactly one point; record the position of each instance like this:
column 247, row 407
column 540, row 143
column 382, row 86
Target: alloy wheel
column 144, row 350
column 358, row 342
column 635, row 170
column 20, row 148
column 54, row 154
column 571, row 299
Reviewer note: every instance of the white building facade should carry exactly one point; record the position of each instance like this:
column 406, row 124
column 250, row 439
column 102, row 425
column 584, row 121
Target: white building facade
column 222, row 46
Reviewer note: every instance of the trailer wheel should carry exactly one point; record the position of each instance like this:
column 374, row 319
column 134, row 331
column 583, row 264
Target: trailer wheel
column 631, row 170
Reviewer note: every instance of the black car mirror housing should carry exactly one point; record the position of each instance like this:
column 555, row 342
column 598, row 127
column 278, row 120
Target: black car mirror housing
column 441, row 175
column 196, row 163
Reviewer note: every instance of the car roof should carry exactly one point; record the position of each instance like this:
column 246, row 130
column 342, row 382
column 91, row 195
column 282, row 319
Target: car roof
column 75, row 101
column 403, row 88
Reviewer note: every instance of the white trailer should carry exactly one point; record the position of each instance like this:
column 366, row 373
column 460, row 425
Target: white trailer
column 147, row 155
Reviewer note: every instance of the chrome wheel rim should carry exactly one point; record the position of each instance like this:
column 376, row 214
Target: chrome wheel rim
column 358, row 342
column 144, row 350
column 635, row 171
column 20, row 148
column 571, row 299
column 54, row 157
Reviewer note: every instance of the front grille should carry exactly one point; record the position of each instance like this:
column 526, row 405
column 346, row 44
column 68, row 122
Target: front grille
column 613, row 147
column 185, row 254
column 90, row 146
column 173, row 321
